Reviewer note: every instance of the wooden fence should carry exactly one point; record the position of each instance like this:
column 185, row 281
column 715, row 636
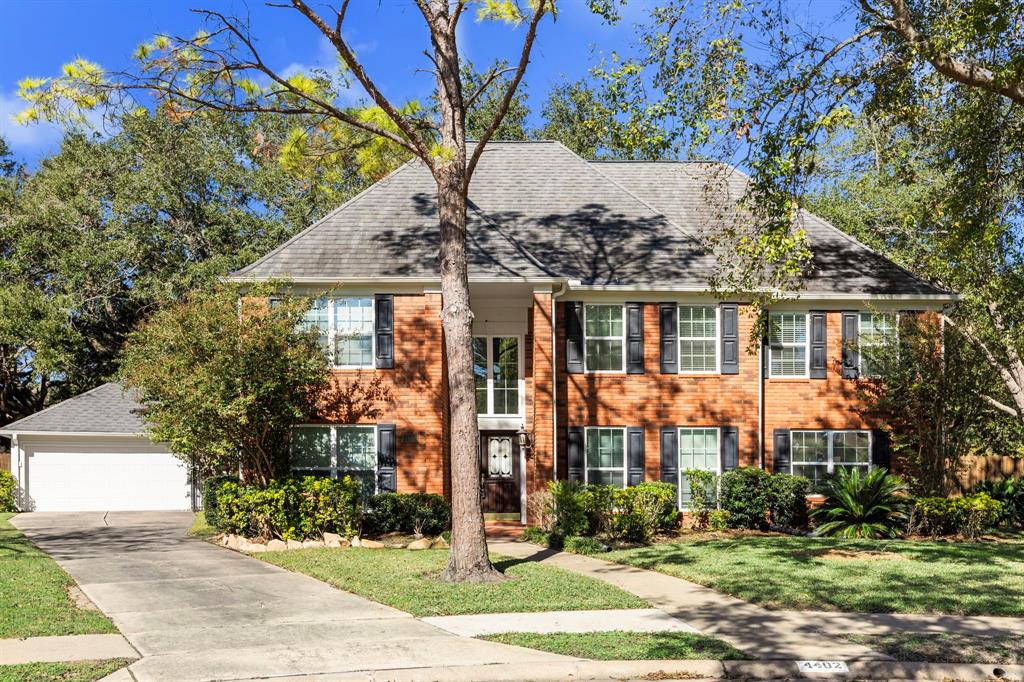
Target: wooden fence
column 989, row 468
column 5, row 461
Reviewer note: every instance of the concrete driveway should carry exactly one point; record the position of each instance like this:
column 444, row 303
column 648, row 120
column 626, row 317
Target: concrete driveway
column 199, row 612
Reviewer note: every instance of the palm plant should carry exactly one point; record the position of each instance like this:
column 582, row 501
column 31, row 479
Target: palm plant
column 870, row 507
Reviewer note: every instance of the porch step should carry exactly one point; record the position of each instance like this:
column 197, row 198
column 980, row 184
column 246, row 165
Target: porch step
column 503, row 529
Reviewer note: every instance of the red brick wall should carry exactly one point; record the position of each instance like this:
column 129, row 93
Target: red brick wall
column 418, row 404
column 539, row 400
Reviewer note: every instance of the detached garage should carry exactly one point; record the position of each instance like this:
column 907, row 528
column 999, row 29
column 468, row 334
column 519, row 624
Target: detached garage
column 89, row 453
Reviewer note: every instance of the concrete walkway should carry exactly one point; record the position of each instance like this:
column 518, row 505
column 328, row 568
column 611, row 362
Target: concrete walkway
column 755, row 630
column 198, row 612
column 628, row 620
column 65, row 648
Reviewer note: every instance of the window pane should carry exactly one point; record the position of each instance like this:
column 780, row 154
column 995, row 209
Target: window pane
column 356, row 448
column 787, row 328
column 815, row 472
column 316, row 320
column 810, row 447
column 605, row 477
column 877, row 331
column 697, row 356
column 605, row 448
column 849, row 447
column 604, row 354
column 789, row 361
column 506, row 375
column 353, row 331
column 480, row 373
column 311, row 446
column 697, row 321
column 698, row 449
column 604, row 320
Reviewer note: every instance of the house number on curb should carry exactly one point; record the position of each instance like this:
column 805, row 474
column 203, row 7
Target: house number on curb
column 822, row 666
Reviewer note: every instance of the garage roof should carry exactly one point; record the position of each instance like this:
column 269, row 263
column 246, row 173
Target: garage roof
column 105, row 409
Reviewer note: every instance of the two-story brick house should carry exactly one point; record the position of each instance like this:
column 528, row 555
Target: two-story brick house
column 598, row 344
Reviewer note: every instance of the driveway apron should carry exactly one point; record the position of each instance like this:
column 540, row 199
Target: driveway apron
column 195, row 611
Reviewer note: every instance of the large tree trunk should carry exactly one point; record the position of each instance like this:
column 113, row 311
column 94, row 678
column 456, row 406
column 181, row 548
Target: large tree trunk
column 468, row 560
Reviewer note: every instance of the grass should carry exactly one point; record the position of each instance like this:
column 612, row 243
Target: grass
column 201, row 529
column 787, row 572
column 410, row 581
column 625, row 646
column 943, row 648
column 33, row 593
column 78, row 671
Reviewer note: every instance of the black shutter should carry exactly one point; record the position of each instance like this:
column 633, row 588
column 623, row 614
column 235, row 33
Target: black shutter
column 670, row 455
column 384, row 328
column 635, row 455
column 730, row 448
column 780, row 452
column 851, row 356
column 574, row 452
column 819, row 345
column 574, row 337
column 764, row 357
column 634, row 338
column 881, row 449
column 387, row 481
column 669, row 315
column 730, row 314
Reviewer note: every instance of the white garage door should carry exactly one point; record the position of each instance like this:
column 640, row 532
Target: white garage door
column 118, row 477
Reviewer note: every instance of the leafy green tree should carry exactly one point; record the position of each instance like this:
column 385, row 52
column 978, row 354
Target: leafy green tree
column 223, row 389
column 108, row 228
column 222, row 68
column 574, row 115
column 488, row 89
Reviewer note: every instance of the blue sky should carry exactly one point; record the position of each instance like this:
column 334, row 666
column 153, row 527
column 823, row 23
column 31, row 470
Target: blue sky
column 38, row 36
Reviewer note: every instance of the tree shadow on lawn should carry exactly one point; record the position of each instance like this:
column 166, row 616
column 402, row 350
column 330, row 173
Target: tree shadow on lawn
column 783, row 572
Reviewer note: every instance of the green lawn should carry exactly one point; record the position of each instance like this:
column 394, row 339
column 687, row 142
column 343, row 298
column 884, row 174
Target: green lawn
column 786, row 572
column 941, row 648
column 625, row 646
column 79, row 671
column 201, row 529
column 33, row 597
column 409, row 581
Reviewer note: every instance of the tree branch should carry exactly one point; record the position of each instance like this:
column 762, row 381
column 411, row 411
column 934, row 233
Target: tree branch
column 491, row 77
column 1000, row 406
column 510, row 91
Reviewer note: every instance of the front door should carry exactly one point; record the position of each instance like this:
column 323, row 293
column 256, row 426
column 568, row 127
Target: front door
column 499, row 463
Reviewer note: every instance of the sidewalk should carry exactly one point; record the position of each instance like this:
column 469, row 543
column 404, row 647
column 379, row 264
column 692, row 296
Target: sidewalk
column 763, row 634
column 65, row 648
column 883, row 623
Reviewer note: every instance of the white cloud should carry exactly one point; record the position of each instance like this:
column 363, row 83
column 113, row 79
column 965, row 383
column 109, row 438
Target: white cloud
column 30, row 139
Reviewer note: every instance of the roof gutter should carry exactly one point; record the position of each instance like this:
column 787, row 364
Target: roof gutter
column 576, row 285
column 19, row 432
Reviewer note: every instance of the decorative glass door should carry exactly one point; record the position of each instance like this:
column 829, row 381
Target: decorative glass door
column 499, row 454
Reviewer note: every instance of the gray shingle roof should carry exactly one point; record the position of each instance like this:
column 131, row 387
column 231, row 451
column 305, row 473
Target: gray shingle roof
column 539, row 211
column 104, row 409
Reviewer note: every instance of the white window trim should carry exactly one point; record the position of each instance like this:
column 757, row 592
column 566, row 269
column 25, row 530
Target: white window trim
column 679, row 459
column 332, row 332
column 830, row 439
column 622, row 338
column 521, row 382
column 625, row 454
column 860, row 343
column 806, row 344
column 718, row 340
column 334, row 449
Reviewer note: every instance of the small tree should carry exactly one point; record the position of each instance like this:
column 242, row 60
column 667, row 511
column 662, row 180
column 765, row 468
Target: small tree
column 223, row 388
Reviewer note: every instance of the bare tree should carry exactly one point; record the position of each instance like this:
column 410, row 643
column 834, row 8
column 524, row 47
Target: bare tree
column 222, row 69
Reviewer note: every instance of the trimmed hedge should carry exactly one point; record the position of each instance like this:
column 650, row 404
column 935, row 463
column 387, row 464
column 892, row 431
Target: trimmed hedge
column 211, row 508
column 416, row 513
column 7, row 486
column 970, row 516
column 291, row 508
column 633, row 513
column 745, row 495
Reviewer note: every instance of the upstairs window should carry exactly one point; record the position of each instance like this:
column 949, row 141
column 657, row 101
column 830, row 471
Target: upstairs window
column 698, row 338
column 604, row 338
column 876, row 332
column 496, row 372
column 345, row 327
column 787, row 344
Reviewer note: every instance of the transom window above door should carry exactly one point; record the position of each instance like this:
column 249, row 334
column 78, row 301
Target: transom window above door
column 345, row 326
column 497, row 372
column 604, row 332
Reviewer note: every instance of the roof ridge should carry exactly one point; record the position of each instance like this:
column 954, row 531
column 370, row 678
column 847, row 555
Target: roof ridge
column 237, row 274
column 72, row 399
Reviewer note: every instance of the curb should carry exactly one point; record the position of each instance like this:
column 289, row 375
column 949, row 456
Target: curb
column 877, row 670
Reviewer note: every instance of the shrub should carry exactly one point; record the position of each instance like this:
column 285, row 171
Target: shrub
column 581, row 544
column 1009, row 491
column 599, row 508
column 718, row 520
column 7, row 486
column 744, row 493
column 787, row 500
column 644, row 509
column 703, row 492
column 540, row 506
column 870, row 507
column 211, row 508
column 970, row 515
column 417, row 513
column 290, row 509
column 568, row 508
column 536, row 535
